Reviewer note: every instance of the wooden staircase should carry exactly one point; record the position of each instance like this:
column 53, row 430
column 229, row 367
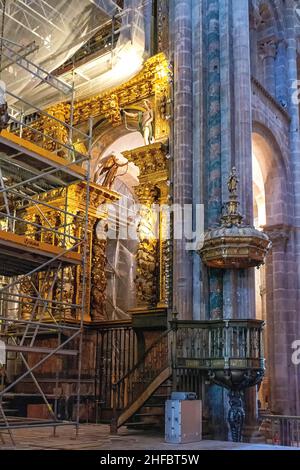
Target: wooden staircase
column 136, row 388
column 152, row 414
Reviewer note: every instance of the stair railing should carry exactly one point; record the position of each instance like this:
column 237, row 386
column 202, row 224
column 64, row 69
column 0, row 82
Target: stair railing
column 130, row 387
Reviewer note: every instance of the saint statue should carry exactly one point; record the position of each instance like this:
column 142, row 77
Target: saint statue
column 145, row 121
column 108, row 169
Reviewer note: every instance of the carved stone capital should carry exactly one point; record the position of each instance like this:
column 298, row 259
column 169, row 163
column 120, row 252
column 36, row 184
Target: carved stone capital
column 268, row 48
column 278, row 233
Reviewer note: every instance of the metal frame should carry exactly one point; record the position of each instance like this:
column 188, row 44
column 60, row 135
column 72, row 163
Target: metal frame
column 16, row 57
column 109, row 7
column 47, row 312
column 33, row 15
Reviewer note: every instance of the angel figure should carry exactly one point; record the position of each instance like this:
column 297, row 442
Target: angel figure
column 145, row 121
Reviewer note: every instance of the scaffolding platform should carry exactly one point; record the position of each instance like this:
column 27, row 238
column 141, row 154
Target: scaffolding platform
column 38, row 160
column 20, row 254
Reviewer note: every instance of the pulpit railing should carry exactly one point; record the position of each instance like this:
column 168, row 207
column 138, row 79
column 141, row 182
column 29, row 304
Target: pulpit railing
column 229, row 351
column 218, row 344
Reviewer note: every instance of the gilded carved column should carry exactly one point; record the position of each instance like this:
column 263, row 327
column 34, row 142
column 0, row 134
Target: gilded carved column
column 165, row 246
column 95, row 260
column 27, row 305
column 27, row 282
column 147, row 254
column 98, row 275
column 154, row 251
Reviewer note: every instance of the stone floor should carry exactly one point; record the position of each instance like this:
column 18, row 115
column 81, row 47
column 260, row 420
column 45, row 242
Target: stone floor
column 97, row 437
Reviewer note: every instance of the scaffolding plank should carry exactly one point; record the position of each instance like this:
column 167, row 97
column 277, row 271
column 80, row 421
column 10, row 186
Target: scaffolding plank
column 33, row 253
column 24, row 151
column 35, row 349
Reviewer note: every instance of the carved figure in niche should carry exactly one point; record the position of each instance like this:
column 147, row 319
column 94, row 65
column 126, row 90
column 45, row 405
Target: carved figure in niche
column 233, row 182
column 4, row 117
column 145, row 122
column 108, row 169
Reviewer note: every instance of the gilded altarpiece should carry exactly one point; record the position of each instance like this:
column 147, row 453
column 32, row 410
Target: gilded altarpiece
column 153, row 279
column 153, row 81
column 63, row 227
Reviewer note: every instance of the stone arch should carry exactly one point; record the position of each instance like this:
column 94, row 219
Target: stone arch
column 120, row 251
column 279, row 270
column 276, row 175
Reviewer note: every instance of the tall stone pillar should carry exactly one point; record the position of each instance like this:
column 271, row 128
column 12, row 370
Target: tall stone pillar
column 181, row 37
column 229, row 135
column 214, row 169
column 255, row 20
column 245, row 282
column 277, row 278
column 214, row 23
column 281, row 74
column 292, row 323
column 242, row 148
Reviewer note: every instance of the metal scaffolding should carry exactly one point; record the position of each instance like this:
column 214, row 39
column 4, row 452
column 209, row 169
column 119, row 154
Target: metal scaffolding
column 39, row 254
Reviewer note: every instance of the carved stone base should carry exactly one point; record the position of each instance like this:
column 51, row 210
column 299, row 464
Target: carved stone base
column 236, row 415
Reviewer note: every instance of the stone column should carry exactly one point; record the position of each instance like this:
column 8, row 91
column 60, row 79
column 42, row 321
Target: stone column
column 214, row 201
column 244, row 283
column 255, row 20
column 183, row 147
column 215, row 19
column 199, row 116
column 281, row 74
column 294, row 324
column 268, row 52
column 278, row 305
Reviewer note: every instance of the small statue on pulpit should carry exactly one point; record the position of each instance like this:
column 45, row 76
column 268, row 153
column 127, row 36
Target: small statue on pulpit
column 232, row 183
column 145, row 122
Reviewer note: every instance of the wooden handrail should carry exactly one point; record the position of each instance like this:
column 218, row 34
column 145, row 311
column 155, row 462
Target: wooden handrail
column 121, row 390
column 142, row 360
